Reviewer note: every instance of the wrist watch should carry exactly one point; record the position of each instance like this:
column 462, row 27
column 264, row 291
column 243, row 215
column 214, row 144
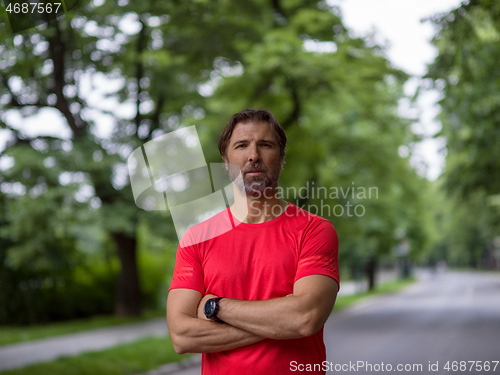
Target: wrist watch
column 211, row 309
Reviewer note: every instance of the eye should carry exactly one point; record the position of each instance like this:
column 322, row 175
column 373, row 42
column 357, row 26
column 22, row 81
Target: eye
column 241, row 145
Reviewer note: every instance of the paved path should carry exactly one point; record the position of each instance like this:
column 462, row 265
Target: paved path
column 22, row 354
column 453, row 316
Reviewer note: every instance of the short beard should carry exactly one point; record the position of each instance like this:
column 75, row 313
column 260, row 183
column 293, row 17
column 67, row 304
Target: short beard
column 257, row 186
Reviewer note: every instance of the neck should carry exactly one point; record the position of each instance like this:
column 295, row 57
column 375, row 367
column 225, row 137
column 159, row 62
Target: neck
column 258, row 209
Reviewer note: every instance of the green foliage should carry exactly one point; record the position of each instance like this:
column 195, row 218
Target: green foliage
column 156, row 264
column 466, row 229
column 44, row 274
column 42, row 291
column 466, row 70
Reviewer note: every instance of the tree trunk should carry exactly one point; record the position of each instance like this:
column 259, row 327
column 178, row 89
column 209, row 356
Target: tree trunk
column 128, row 300
column 370, row 271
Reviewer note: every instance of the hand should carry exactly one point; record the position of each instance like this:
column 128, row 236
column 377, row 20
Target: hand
column 201, row 306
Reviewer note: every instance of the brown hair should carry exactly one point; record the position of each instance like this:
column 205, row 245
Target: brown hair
column 254, row 115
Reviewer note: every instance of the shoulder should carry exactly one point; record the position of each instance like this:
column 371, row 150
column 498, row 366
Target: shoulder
column 311, row 229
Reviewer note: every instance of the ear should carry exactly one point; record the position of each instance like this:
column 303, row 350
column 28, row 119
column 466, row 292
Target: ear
column 226, row 163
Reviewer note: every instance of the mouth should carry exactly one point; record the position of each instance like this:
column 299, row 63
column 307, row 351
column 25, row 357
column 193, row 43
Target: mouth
column 254, row 172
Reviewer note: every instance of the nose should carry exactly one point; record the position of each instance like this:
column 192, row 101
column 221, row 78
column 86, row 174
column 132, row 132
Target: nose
column 253, row 153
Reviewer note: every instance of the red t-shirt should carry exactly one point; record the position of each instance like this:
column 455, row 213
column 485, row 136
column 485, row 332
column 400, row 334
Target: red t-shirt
column 259, row 262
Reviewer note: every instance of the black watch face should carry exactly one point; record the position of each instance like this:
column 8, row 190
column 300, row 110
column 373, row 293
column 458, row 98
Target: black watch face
column 210, row 308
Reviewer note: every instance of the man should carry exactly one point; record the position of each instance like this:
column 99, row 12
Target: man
column 254, row 299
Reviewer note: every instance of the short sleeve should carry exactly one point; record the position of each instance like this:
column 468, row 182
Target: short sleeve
column 188, row 273
column 319, row 251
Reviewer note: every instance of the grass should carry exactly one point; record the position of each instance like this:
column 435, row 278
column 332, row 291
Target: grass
column 344, row 302
column 132, row 358
column 15, row 334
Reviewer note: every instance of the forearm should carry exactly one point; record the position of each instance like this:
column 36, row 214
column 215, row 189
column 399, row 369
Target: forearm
column 279, row 318
column 193, row 335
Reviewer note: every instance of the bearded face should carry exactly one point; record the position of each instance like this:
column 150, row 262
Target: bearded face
column 254, row 151
column 256, row 178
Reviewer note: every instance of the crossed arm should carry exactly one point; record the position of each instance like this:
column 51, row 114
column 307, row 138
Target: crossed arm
column 300, row 314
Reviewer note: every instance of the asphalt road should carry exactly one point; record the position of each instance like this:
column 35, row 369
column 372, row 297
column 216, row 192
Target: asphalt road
column 448, row 323
column 443, row 322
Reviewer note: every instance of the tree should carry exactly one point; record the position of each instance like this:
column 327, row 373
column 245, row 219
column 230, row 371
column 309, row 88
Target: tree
column 466, row 70
column 46, row 68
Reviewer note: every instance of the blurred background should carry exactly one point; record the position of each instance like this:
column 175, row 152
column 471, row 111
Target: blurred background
column 79, row 94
